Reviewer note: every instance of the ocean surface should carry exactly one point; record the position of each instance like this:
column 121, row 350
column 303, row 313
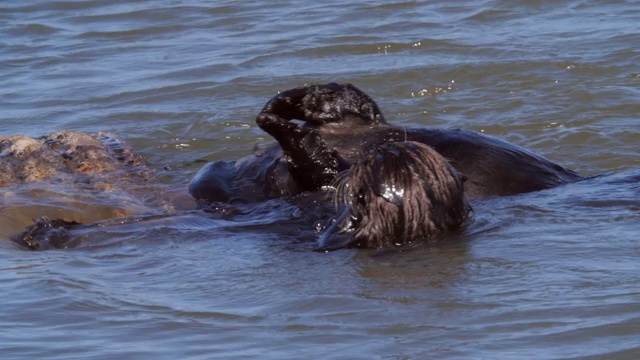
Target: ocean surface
column 547, row 275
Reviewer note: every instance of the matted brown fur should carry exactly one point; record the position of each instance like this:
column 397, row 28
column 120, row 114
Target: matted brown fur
column 401, row 192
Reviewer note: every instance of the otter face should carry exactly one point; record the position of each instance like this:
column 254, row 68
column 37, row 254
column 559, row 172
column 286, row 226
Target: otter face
column 395, row 194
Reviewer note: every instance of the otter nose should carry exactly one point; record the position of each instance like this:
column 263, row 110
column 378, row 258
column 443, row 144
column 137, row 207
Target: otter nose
column 334, row 237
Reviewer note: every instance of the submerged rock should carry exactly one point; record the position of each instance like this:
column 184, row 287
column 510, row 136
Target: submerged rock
column 100, row 159
column 52, row 184
column 45, row 234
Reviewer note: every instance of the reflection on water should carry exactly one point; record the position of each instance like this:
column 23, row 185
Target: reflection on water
column 552, row 274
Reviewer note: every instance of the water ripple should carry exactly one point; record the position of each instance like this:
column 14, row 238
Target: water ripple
column 546, row 275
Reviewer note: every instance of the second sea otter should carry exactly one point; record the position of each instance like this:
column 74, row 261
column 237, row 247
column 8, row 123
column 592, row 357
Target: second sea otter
column 395, row 194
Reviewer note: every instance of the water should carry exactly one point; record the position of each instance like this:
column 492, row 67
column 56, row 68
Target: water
column 547, row 275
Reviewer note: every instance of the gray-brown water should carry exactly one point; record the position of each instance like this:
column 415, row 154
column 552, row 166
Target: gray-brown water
column 547, row 275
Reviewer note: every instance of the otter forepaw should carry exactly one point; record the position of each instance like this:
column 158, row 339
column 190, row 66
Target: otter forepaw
column 325, row 103
column 274, row 124
column 288, row 134
column 287, row 104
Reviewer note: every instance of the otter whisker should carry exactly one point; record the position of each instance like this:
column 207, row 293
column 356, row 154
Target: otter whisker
column 340, row 191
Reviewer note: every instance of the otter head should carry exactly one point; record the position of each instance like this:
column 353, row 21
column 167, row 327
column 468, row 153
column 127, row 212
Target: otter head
column 324, row 104
column 395, row 194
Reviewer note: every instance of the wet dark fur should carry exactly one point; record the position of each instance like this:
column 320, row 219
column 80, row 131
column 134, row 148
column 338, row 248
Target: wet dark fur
column 344, row 130
column 398, row 193
column 342, row 121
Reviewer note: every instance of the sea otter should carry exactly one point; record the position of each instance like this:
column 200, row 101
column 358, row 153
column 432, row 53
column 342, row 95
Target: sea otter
column 394, row 194
column 341, row 120
column 344, row 131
